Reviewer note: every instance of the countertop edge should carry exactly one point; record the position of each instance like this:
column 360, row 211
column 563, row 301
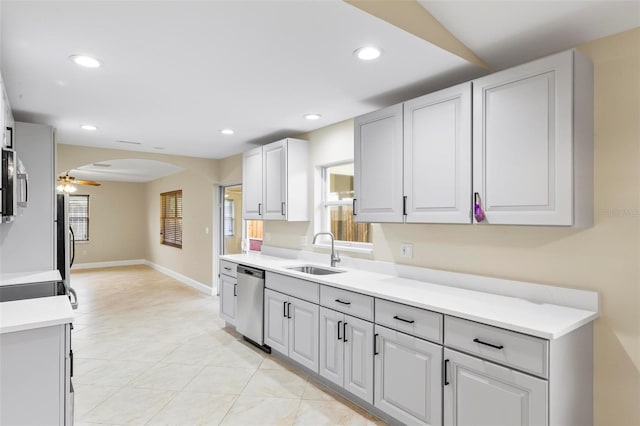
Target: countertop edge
column 583, row 316
column 29, row 314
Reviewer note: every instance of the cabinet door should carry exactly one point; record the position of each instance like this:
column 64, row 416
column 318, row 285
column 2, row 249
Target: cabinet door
column 228, row 299
column 478, row 392
column 331, row 347
column 303, row 333
column 274, row 164
column 378, row 166
column 276, row 322
column 437, row 156
column 252, row 184
column 523, row 143
column 358, row 358
column 408, row 375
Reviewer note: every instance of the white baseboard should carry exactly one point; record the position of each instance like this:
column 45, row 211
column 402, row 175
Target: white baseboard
column 109, row 264
column 182, row 278
column 173, row 274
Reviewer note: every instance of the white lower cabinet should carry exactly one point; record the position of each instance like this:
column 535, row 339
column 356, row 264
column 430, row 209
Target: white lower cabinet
column 228, row 298
column 478, row 392
column 346, row 352
column 36, row 373
column 408, row 377
column 291, row 327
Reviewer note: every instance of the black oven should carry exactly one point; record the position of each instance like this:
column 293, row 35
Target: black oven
column 9, row 184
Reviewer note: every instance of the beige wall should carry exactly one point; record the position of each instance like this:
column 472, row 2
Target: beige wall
column 605, row 258
column 142, row 229
column 117, row 228
column 195, row 257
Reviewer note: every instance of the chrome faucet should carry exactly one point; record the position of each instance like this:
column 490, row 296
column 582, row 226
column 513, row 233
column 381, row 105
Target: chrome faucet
column 334, row 255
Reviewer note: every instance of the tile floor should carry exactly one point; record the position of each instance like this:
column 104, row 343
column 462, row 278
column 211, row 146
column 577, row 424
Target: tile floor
column 152, row 351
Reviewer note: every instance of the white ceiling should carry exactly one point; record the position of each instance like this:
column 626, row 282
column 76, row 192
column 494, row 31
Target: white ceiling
column 128, row 170
column 176, row 72
column 510, row 32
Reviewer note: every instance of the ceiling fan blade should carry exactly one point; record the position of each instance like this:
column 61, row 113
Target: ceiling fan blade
column 86, row 182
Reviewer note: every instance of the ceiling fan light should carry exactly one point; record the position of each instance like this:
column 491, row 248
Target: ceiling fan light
column 66, row 187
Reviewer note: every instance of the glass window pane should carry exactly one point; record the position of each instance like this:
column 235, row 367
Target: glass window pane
column 344, row 228
column 339, row 182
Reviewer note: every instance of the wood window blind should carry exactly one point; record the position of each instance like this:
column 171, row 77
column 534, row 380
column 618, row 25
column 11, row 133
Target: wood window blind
column 171, row 218
column 79, row 216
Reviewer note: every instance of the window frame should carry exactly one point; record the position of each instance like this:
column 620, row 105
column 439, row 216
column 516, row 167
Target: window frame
column 323, row 216
column 86, row 218
column 175, row 193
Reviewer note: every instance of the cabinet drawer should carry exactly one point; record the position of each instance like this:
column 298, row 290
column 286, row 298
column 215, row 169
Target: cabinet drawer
column 415, row 321
column 228, row 268
column 305, row 290
column 346, row 301
column 520, row 351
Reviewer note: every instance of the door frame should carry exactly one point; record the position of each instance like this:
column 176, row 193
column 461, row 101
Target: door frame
column 218, row 233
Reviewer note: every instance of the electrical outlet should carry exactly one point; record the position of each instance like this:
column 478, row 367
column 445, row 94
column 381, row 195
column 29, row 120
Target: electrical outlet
column 267, row 236
column 406, row 250
column 303, row 240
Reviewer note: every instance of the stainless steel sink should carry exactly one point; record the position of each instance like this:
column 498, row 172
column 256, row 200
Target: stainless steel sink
column 314, row 270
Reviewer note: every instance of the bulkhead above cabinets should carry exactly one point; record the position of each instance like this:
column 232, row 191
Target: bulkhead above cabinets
column 514, row 147
column 275, row 181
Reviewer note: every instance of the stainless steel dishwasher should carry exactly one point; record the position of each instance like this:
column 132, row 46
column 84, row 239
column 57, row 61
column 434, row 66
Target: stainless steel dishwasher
column 250, row 309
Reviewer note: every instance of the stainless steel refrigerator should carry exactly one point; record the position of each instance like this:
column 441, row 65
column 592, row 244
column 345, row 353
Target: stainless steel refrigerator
column 65, row 245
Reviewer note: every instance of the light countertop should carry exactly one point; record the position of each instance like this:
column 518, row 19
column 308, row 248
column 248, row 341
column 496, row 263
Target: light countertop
column 27, row 314
column 543, row 320
column 15, row 278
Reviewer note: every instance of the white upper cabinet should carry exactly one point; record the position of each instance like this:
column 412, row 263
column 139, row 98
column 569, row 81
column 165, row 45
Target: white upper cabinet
column 378, row 166
column 252, row 184
column 275, row 181
column 533, row 142
column 437, row 156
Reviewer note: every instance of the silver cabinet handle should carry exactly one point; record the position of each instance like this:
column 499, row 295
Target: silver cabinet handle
column 25, row 178
column 74, row 300
column 282, row 209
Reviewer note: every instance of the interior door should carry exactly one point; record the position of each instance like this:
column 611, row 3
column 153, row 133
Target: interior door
column 231, row 226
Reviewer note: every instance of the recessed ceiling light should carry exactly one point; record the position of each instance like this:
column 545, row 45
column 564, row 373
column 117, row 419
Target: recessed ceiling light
column 227, row 131
column 312, row 116
column 368, row 53
column 90, row 127
column 85, row 61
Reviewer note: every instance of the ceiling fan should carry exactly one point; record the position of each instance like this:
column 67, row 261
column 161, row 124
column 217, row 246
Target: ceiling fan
column 66, row 183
